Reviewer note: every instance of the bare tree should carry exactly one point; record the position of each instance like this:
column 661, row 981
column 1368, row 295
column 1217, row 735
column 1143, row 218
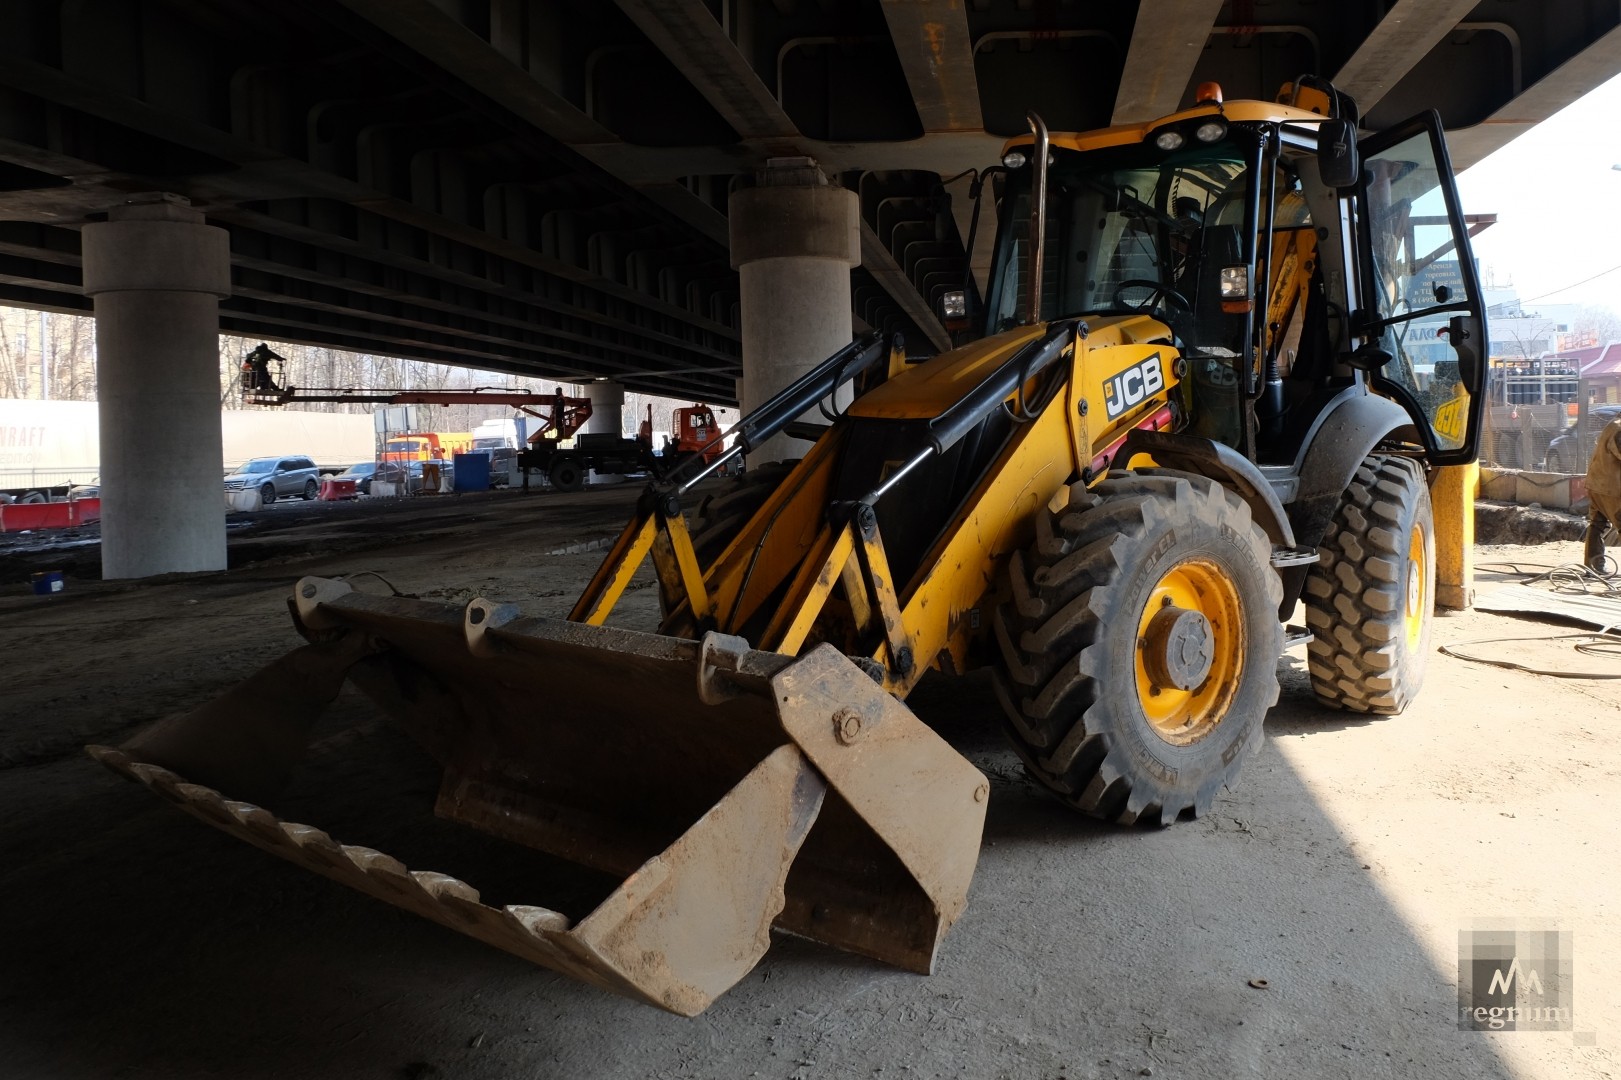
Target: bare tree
column 1604, row 322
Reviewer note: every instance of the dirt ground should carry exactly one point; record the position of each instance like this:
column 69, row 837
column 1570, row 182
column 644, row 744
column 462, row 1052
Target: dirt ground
column 139, row 943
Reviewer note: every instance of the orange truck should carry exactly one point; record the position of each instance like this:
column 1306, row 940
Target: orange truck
column 426, row 446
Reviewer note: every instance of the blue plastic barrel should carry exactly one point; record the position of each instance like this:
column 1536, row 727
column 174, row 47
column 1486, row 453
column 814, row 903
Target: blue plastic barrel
column 472, row 472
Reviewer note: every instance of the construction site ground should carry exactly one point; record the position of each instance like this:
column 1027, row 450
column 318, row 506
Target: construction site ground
column 1307, row 927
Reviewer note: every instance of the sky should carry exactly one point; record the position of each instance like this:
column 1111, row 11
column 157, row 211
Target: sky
column 1558, row 206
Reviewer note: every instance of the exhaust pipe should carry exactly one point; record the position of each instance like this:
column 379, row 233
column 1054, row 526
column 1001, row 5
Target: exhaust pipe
column 1038, row 216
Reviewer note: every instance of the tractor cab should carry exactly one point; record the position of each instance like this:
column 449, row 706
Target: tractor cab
column 1279, row 284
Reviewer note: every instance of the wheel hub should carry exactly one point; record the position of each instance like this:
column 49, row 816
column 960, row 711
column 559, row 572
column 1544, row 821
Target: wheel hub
column 1189, row 656
column 1178, row 649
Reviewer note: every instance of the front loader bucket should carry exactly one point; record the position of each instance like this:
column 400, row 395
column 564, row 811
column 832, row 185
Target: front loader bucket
column 731, row 789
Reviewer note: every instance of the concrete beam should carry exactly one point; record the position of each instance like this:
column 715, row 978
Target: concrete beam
column 1402, row 38
column 355, row 249
column 1166, row 44
column 1586, row 71
column 937, row 55
column 292, row 177
column 686, row 32
column 944, row 152
column 429, row 30
column 877, row 261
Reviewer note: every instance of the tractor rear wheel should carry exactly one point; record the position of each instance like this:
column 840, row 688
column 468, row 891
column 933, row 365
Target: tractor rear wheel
column 1139, row 643
column 1369, row 596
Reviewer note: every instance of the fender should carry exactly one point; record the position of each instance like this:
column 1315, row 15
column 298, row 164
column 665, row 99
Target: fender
column 1205, row 457
column 1347, row 430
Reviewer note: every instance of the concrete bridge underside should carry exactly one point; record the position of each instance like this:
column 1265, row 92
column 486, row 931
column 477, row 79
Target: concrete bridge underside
column 544, row 187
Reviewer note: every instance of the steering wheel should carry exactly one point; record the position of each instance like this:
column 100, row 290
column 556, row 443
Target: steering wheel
column 1161, row 298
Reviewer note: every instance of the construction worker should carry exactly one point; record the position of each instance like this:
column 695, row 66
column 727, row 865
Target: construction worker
column 1603, row 493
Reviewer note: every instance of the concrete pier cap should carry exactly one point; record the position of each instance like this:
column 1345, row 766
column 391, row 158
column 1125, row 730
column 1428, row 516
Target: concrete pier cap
column 794, row 237
column 156, row 273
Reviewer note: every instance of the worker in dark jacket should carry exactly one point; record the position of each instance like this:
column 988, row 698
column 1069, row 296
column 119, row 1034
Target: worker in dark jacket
column 1604, row 493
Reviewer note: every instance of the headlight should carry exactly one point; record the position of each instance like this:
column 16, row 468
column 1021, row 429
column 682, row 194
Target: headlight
column 1235, row 283
column 1014, row 159
column 1168, row 140
column 954, row 304
column 1210, row 131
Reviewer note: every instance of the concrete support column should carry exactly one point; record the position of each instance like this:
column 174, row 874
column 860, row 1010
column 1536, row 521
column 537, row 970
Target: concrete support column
column 794, row 239
column 607, row 417
column 156, row 273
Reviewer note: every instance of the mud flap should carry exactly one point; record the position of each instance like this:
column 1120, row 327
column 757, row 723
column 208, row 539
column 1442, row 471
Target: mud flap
column 730, row 789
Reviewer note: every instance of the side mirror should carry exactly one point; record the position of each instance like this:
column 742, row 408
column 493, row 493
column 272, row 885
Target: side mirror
column 1338, row 163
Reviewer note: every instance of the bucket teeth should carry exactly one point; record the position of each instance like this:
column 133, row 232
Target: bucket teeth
column 611, row 949
column 523, row 929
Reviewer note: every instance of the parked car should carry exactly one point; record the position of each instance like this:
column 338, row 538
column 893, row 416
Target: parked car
column 1565, row 449
column 277, row 476
column 362, row 474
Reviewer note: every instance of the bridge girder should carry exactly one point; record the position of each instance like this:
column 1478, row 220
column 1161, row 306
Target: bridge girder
column 540, row 186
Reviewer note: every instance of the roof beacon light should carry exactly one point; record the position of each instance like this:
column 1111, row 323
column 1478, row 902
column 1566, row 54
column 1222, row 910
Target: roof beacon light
column 1208, row 93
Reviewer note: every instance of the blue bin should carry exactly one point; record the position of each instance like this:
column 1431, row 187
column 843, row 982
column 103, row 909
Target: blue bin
column 47, row 582
column 472, row 472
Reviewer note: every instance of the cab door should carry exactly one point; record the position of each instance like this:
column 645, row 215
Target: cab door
column 1419, row 292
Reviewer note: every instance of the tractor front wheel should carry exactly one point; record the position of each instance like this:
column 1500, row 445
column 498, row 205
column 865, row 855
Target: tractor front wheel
column 1370, row 594
column 722, row 513
column 1139, row 641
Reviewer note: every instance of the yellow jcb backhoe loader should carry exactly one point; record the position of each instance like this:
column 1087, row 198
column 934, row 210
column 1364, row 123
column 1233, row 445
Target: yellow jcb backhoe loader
column 1220, row 354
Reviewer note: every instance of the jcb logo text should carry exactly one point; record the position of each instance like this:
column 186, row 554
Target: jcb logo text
column 1133, row 386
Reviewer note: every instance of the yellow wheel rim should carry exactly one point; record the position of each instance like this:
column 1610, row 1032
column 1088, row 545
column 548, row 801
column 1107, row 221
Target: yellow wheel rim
column 1418, row 587
column 1194, row 590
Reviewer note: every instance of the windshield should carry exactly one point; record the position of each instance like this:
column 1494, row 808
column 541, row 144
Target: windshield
column 257, row 465
column 1128, row 214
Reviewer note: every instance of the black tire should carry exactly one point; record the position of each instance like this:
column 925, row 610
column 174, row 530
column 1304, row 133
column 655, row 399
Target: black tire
column 566, row 475
column 721, row 515
column 1068, row 622
column 1368, row 599
column 34, row 498
column 311, row 490
column 267, row 494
